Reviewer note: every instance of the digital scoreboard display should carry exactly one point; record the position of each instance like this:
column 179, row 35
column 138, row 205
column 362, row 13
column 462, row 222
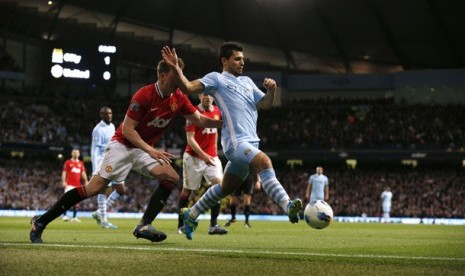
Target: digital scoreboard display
column 95, row 64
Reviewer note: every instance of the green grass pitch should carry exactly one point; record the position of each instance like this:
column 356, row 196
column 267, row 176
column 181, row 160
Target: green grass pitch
column 268, row 248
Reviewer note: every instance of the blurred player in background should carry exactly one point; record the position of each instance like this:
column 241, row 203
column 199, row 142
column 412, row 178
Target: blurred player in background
column 238, row 99
column 201, row 160
column 318, row 187
column 251, row 183
column 386, row 198
column 73, row 171
column 150, row 112
column 101, row 136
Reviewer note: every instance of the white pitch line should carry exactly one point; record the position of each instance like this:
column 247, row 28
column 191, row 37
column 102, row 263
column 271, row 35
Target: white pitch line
column 259, row 252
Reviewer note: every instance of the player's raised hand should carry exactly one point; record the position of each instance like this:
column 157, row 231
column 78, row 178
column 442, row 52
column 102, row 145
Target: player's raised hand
column 269, row 84
column 169, row 56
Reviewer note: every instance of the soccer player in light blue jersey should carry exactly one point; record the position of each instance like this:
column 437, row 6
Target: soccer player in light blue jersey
column 101, row 136
column 318, row 186
column 386, row 198
column 239, row 99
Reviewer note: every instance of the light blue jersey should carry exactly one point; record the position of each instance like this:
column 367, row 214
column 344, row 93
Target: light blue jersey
column 319, row 183
column 101, row 136
column 386, row 197
column 237, row 98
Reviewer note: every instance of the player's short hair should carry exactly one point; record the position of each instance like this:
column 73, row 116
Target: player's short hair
column 163, row 67
column 227, row 48
column 104, row 108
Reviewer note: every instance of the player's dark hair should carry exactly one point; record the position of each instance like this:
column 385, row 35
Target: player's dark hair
column 227, row 48
column 162, row 67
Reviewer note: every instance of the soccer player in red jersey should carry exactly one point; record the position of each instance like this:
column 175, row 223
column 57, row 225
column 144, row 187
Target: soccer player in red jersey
column 73, row 170
column 150, row 112
column 201, row 160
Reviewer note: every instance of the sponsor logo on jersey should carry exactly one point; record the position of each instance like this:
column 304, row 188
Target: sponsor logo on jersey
column 209, row 131
column 76, row 169
column 247, row 151
column 159, row 122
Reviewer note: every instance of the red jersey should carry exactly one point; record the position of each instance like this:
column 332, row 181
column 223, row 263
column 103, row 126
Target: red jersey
column 205, row 137
column 74, row 169
column 154, row 112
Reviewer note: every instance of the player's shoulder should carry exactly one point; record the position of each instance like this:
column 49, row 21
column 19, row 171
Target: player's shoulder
column 178, row 94
column 145, row 91
column 213, row 74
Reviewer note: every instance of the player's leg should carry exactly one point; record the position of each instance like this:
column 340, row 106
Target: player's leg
column 232, row 206
column 183, row 203
column 213, row 176
column 192, row 177
column 247, row 200
column 233, row 177
column 167, row 177
column 65, row 215
column 102, row 210
column 274, row 189
column 236, row 171
column 101, row 197
column 69, row 199
column 75, row 209
column 386, row 210
column 115, row 195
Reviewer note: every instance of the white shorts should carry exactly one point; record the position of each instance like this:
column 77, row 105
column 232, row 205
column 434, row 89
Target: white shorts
column 69, row 187
column 119, row 160
column 195, row 168
column 97, row 169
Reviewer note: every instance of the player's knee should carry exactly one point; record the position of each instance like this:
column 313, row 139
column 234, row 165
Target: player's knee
column 96, row 185
column 262, row 162
column 169, row 176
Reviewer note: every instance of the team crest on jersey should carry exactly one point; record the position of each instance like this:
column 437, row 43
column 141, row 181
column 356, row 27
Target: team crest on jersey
column 108, row 169
column 247, row 151
column 216, row 117
column 134, row 106
column 173, row 106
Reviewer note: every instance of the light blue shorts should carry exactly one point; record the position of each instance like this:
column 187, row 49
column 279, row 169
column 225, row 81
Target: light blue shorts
column 240, row 158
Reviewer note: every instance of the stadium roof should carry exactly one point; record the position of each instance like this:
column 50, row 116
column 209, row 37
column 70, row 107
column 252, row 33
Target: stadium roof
column 338, row 36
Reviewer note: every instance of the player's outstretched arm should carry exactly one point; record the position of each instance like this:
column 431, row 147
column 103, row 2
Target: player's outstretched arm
column 203, row 121
column 186, row 86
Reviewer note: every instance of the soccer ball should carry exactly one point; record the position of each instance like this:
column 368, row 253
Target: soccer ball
column 318, row 214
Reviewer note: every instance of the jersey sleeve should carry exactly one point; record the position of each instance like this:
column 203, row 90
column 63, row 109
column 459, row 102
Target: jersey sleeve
column 138, row 105
column 257, row 93
column 210, row 83
column 190, row 127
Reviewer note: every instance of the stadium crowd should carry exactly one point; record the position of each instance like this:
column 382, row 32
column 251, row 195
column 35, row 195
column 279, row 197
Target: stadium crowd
column 354, row 192
column 361, row 124
column 303, row 124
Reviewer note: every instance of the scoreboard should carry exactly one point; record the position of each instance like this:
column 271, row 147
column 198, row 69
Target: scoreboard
column 94, row 64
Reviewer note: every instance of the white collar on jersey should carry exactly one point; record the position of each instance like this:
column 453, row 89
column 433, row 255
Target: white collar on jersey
column 157, row 88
